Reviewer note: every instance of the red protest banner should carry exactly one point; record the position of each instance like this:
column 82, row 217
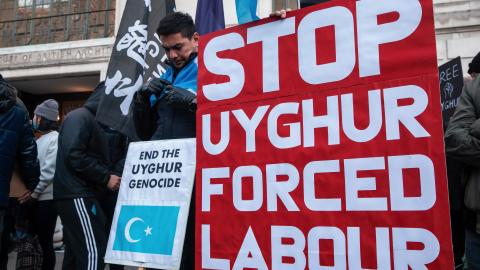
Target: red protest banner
column 320, row 142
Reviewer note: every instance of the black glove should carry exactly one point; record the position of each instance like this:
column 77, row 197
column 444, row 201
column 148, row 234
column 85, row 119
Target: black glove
column 154, row 87
column 181, row 98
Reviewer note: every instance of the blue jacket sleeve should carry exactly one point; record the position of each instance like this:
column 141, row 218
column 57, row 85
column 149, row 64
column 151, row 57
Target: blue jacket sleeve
column 27, row 153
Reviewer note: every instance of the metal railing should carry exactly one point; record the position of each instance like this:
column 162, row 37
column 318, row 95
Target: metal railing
column 44, row 26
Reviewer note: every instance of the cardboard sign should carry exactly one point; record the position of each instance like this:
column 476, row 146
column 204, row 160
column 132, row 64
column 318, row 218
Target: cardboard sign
column 151, row 214
column 17, row 187
column 451, row 85
column 318, row 142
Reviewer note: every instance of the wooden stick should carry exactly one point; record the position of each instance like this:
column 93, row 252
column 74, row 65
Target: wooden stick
column 141, row 268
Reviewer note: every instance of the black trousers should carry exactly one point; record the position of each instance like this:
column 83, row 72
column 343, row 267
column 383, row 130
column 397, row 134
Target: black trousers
column 108, row 201
column 44, row 219
column 3, row 213
column 83, row 233
column 8, row 228
column 188, row 254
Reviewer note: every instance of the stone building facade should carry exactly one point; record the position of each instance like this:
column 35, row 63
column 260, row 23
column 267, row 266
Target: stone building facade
column 457, row 25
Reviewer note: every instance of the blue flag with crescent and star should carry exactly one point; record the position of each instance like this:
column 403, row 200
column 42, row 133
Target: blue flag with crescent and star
column 146, row 229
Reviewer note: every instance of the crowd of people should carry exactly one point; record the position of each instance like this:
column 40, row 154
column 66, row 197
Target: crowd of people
column 78, row 170
column 75, row 172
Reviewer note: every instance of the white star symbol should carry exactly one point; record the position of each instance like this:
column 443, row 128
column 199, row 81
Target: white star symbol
column 148, row 231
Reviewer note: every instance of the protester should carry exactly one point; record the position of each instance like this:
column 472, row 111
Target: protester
column 17, row 145
column 462, row 140
column 44, row 216
column 83, row 169
column 456, row 189
column 165, row 108
column 117, row 146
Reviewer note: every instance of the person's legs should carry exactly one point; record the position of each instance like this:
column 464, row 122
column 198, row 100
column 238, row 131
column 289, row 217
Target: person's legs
column 188, row 254
column 68, row 255
column 94, row 224
column 472, row 250
column 44, row 221
column 108, row 203
column 8, row 227
column 3, row 245
column 2, row 218
column 71, row 230
column 84, row 235
column 458, row 237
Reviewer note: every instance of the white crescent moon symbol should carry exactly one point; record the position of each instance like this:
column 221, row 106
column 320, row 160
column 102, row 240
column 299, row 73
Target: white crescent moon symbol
column 127, row 229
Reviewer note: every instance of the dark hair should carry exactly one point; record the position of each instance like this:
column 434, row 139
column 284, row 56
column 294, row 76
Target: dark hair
column 474, row 66
column 177, row 22
column 8, row 92
column 47, row 125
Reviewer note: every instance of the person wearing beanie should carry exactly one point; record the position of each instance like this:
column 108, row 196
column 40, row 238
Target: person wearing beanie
column 462, row 142
column 48, row 109
column 44, row 216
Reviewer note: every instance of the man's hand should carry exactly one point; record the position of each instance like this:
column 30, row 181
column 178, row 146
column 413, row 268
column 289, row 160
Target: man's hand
column 26, row 196
column 154, row 87
column 114, row 182
column 181, row 97
column 280, row 13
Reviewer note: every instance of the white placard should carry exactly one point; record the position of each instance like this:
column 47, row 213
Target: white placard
column 151, row 214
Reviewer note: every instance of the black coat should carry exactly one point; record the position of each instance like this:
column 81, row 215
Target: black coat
column 17, row 143
column 163, row 121
column 83, row 157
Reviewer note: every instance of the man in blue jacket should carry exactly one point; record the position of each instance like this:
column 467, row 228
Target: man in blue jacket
column 17, row 145
column 165, row 108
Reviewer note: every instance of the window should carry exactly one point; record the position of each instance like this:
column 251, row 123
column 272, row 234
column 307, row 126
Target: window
column 25, row 22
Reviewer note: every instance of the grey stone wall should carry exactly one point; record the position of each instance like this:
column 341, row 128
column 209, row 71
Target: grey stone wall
column 457, row 25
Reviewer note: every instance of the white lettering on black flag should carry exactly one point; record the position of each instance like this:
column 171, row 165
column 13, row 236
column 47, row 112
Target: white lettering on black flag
column 137, row 57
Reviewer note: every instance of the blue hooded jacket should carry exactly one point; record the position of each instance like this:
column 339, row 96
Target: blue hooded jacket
column 161, row 120
column 17, row 144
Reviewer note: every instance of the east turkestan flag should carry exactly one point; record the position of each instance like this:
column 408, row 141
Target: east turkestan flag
column 246, row 10
column 137, row 57
column 146, row 229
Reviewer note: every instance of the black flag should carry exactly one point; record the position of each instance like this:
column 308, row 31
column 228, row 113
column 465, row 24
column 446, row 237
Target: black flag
column 137, row 57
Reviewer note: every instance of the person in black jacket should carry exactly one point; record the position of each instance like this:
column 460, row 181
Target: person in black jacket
column 17, row 145
column 118, row 146
column 83, row 171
